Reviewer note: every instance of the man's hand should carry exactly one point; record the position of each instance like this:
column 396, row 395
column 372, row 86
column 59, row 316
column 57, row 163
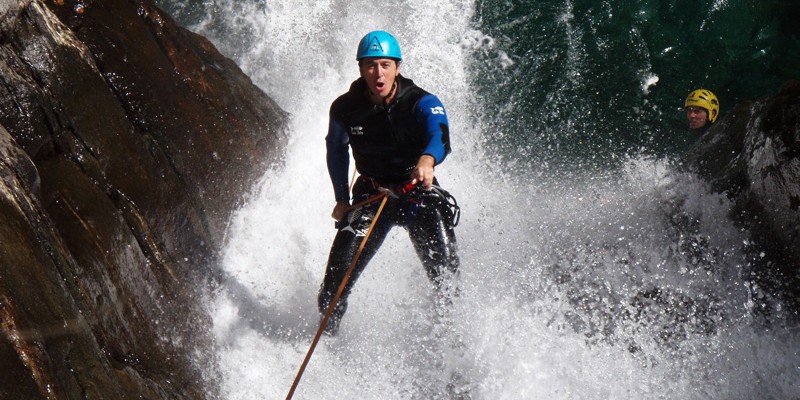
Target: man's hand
column 340, row 210
column 423, row 172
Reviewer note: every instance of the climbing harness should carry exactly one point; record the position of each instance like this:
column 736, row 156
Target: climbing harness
column 435, row 196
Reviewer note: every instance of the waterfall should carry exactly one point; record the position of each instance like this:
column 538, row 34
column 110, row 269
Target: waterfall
column 628, row 282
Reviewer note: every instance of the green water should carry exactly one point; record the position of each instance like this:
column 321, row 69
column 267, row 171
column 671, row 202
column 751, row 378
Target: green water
column 575, row 92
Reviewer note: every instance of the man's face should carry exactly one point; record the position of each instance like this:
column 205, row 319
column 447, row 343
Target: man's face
column 380, row 74
column 697, row 117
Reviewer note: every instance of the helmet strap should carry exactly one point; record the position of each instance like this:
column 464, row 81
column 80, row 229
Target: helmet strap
column 391, row 93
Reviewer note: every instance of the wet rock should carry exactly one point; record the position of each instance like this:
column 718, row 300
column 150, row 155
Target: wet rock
column 753, row 156
column 126, row 143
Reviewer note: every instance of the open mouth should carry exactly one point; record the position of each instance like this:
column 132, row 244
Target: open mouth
column 380, row 85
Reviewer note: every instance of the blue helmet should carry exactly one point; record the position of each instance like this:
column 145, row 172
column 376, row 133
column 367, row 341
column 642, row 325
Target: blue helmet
column 379, row 44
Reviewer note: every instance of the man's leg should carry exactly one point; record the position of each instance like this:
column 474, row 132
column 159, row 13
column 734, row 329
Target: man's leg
column 344, row 249
column 435, row 244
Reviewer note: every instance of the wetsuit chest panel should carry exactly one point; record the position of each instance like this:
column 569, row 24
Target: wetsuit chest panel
column 386, row 141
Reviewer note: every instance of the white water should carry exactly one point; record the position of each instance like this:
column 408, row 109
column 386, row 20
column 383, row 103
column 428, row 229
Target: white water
column 550, row 270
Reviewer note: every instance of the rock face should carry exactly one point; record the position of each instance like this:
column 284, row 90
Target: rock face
column 125, row 144
column 753, row 155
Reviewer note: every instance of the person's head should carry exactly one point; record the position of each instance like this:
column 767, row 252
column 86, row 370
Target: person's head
column 702, row 108
column 379, row 63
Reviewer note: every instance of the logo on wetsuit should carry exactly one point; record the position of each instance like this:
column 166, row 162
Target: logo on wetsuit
column 356, row 130
column 437, row 110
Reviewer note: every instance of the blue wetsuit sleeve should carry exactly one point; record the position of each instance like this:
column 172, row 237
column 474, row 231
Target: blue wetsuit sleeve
column 430, row 112
column 338, row 158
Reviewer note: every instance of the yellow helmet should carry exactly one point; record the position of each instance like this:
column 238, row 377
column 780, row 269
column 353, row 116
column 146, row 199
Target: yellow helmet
column 705, row 99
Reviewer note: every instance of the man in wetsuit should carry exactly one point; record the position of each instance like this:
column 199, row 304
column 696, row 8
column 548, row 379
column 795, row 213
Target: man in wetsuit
column 702, row 109
column 398, row 133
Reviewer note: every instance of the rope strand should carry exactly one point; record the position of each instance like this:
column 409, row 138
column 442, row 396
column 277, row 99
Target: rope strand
column 339, row 292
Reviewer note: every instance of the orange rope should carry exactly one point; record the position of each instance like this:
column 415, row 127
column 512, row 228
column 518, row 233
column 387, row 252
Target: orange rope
column 336, row 298
column 368, row 200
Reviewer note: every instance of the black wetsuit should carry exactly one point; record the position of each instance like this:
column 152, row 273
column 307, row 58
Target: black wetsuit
column 387, row 143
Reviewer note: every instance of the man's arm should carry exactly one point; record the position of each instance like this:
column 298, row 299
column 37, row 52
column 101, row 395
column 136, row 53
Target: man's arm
column 430, row 112
column 338, row 160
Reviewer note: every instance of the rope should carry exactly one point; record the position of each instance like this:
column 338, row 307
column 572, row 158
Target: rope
column 339, row 292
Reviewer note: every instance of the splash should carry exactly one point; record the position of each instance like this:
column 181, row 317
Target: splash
column 628, row 282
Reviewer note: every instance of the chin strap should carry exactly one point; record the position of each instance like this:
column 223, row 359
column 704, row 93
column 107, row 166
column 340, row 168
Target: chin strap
column 391, row 93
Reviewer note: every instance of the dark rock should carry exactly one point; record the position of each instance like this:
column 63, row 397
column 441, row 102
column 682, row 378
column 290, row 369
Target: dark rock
column 752, row 156
column 126, row 143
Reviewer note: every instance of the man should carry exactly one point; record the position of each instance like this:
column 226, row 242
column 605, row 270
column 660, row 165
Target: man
column 398, row 133
column 702, row 109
